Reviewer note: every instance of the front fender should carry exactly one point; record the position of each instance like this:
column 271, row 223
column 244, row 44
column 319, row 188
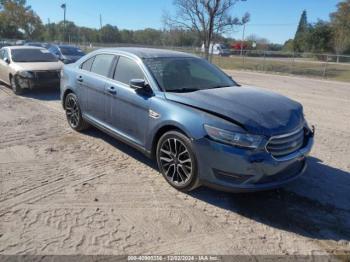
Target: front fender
column 172, row 114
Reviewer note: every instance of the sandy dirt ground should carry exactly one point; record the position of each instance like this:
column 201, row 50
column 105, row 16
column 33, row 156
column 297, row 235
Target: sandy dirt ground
column 63, row 192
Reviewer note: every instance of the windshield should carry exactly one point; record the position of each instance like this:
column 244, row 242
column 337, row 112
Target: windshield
column 181, row 74
column 69, row 50
column 32, row 55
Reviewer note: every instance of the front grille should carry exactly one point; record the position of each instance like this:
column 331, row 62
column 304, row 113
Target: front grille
column 46, row 75
column 280, row 146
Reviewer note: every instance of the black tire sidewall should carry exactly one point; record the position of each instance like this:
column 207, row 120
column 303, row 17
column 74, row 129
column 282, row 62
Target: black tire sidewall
column 80, row 125
column 191, row 184
column 14, row 86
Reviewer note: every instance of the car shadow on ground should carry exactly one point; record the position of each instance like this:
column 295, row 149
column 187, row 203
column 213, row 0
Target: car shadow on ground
column 283, row 208
column 45, row 94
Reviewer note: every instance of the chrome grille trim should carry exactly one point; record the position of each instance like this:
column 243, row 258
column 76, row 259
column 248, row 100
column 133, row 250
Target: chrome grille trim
column 283, row 145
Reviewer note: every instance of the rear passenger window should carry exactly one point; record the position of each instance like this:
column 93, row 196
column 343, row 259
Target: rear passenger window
column 102, row 64
column 87, row 64
column 126, row 70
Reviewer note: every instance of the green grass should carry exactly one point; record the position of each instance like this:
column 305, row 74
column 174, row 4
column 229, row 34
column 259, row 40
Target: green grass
column 331, row 71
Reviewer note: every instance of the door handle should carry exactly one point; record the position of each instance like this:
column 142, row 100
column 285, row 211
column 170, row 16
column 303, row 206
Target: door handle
column 80, row 79
column 112, row 90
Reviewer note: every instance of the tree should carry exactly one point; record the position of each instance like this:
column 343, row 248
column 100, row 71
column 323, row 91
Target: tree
column 206, row 17
column 340, row 21
column 288, row 45
column 19, row 20
column 320, row 37
column 148, row 36
column 110, row 34
column 300, row 39
column 127, row 36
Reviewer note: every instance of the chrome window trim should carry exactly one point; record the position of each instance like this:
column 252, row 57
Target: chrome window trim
column 134, row 58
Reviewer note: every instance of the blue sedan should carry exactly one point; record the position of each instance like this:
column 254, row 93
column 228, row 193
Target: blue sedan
column 199, row 124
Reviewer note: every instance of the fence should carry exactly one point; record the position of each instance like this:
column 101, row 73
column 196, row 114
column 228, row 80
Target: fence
column 325, row 66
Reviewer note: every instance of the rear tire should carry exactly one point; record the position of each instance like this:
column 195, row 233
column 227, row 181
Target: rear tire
column 177, row 161
column 73, row 113
column 17, row 90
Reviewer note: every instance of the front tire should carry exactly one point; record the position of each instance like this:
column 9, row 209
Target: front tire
column 177, row 161
column 17, row 90
column 73, row 113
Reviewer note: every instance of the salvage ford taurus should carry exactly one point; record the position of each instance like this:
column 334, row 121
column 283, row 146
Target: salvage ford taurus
column 201, row 126
column 27, row 67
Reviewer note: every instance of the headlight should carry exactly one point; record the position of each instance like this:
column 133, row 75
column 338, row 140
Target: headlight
column 233, row 138
column 26, row 74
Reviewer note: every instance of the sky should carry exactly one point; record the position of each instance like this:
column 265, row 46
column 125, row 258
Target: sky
column 275, row 20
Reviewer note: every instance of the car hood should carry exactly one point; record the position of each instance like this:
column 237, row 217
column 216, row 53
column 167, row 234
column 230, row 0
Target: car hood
column 256, row 110
column 38, row 66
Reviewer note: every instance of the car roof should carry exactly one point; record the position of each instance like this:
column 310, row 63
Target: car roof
column 142, row 52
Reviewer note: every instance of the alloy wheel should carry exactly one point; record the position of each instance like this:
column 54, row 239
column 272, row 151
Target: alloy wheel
column 72, row 111
column 176, row 162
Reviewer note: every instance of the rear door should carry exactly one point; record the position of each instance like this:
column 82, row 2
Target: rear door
column 82, row 88
column 92, row 85
column 126, row 109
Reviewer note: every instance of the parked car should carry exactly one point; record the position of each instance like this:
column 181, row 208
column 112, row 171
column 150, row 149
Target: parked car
column 27, row 67
column 218, row 49
column 201, row 126
column 66, row 53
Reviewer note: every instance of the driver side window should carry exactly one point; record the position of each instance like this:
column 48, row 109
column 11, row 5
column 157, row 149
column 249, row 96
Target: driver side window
column 127, row 70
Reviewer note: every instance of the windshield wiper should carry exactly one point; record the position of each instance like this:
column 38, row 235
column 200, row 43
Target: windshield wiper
column 183, row 90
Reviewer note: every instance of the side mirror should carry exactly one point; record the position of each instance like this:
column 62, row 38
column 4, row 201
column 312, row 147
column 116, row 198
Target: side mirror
column 137, row 83
column 140, row 86
column 7, row 60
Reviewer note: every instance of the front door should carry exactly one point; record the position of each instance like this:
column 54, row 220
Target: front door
column 126, row 109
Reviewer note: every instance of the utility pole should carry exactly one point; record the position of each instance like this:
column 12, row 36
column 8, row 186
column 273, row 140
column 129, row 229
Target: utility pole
column 242, row 41
column 100, row 21
column 101, row 35
column 64, row 7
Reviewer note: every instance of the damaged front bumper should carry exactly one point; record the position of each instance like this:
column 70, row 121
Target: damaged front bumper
column 38, row 79
column 229, row 168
